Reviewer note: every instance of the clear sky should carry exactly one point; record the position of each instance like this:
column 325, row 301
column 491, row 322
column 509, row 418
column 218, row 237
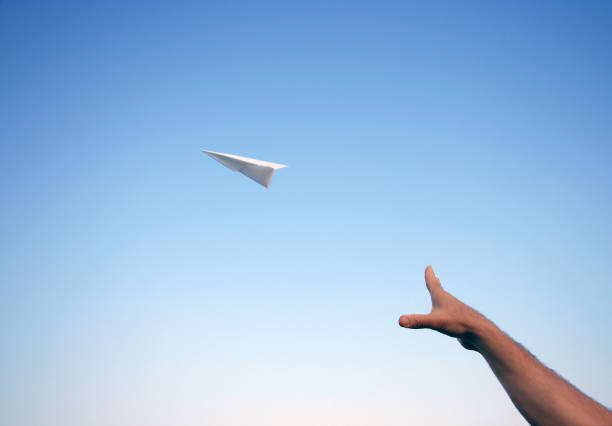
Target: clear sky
column 142, row 283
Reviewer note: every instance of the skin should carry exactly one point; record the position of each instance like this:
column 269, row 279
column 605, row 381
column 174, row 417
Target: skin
column 540, row 394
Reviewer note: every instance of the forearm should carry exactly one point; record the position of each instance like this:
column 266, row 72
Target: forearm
column 541, row 395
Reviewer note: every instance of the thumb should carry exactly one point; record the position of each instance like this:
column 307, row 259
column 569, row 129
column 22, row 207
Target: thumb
column 419, row 321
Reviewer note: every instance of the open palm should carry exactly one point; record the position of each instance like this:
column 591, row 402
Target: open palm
column 448, row 314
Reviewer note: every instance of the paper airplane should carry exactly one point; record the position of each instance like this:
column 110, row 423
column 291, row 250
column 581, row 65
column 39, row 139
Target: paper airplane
column 260, row 171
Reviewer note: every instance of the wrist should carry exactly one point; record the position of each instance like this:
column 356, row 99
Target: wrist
column 480, row 332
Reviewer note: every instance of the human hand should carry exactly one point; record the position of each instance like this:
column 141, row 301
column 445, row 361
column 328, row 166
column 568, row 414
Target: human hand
column 448, row 314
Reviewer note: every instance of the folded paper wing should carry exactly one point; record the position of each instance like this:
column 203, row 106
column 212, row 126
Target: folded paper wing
column 260, row 171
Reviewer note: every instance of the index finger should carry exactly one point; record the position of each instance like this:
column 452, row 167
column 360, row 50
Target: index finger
column 431, row 281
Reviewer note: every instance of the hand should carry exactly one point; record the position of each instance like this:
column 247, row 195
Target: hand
column 448, row 314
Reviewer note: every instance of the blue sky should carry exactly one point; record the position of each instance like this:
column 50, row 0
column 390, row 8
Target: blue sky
column 142, row 283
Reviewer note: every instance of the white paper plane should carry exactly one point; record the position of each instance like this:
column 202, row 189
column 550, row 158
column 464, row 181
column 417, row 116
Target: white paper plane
column 260, row 171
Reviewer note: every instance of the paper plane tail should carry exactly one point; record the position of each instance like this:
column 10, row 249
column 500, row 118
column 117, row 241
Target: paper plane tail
column 261, row 175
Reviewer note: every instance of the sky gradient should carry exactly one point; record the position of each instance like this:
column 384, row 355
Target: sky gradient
column 142, row 283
